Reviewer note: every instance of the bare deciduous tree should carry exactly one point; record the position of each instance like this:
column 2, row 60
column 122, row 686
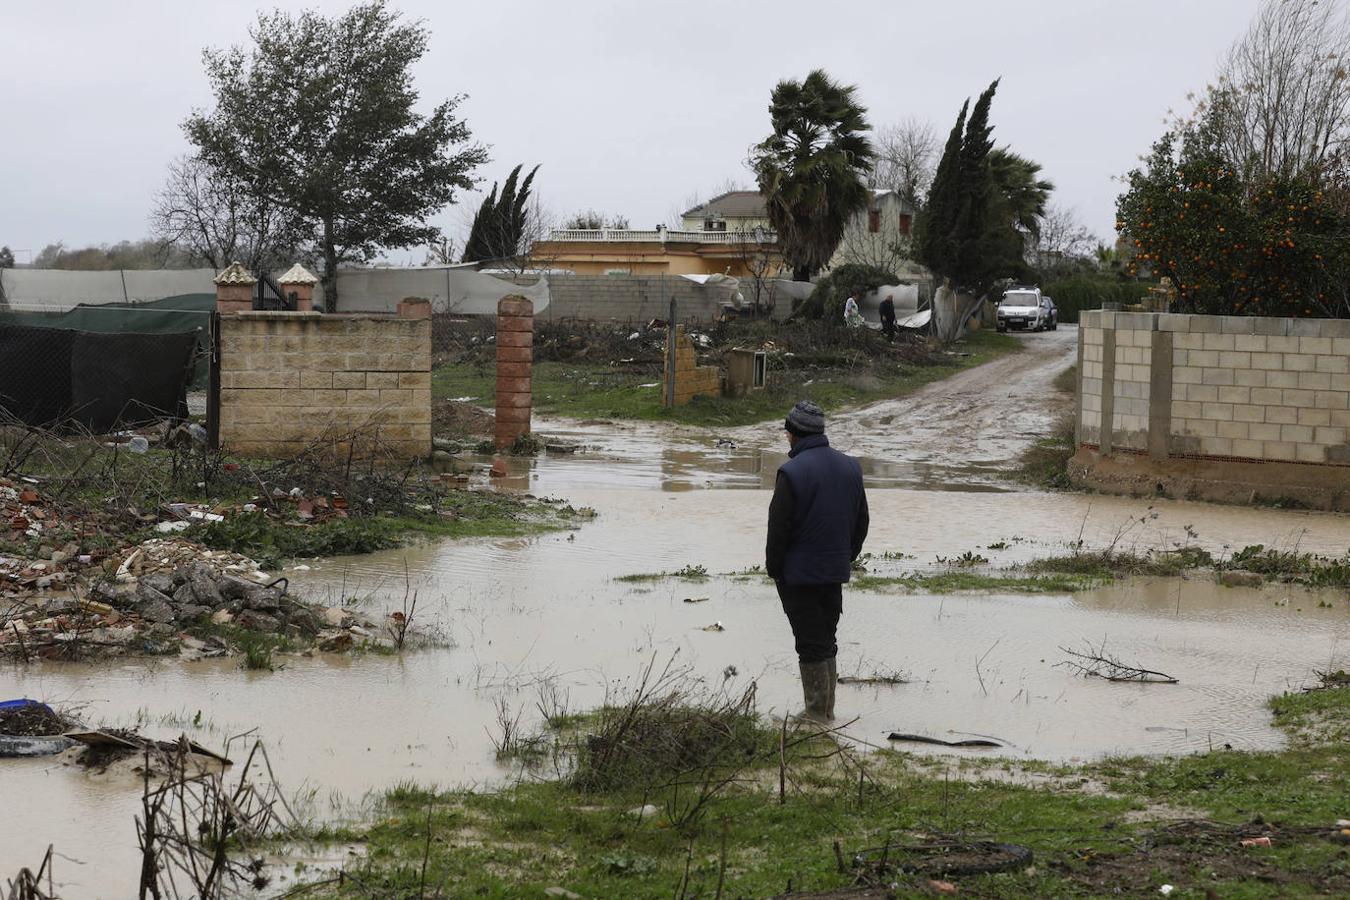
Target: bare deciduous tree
column 217, row 222
column 762, row 262
column 1063, row 242
column 1283, row 94
column 886, row 249
column 906, row 158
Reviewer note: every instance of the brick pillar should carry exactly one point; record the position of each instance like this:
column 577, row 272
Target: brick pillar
column 304, row 297
column 417, row 308
column 515, row 361
column 300, row 282
column 234, row 289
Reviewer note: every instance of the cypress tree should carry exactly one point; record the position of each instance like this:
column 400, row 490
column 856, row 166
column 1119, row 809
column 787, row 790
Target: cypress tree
column 935, row 225
column 500, row 222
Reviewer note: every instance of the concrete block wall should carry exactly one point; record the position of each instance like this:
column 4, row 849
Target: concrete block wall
column 1236, row 387
column 633, row 298
column 691, row 379
column 289, row 380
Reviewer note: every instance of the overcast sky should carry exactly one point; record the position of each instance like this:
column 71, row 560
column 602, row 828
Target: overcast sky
column 631, row 107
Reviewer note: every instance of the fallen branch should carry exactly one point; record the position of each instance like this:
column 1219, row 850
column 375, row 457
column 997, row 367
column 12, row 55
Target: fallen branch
column 1095, row 663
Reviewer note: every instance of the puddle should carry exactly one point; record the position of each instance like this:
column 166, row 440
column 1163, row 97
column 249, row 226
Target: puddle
column 522, row 613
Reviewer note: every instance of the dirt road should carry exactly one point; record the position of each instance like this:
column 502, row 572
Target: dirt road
column 962, row 433
column 975, row 423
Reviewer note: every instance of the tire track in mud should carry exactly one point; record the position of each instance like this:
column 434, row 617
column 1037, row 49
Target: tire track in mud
column 979, row 420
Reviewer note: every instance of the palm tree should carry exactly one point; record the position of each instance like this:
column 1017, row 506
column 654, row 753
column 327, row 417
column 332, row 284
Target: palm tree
column 1020, row 195
column 811, row 168
column 1016, row 209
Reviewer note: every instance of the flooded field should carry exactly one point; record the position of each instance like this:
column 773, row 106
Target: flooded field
column 520, row 615
column 514, row 618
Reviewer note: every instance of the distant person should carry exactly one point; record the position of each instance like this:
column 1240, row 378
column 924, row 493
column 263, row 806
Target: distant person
column 817, row 524
column 888, row 316
column 852, row 315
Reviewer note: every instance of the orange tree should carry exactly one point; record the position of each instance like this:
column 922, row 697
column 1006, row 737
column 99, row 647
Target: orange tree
column 1235, row 240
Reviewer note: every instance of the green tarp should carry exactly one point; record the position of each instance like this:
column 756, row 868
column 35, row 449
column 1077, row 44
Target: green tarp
column 172, row 315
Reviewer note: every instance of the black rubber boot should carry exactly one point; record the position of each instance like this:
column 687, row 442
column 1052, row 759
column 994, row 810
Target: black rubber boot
column 834, row 680
column 816, row 690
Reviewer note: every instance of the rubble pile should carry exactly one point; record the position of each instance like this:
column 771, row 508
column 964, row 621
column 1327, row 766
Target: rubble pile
column 54, row 538
column 173, row 596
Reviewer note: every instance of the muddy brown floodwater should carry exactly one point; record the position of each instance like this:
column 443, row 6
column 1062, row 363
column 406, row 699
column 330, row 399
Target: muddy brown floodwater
column 548, row 611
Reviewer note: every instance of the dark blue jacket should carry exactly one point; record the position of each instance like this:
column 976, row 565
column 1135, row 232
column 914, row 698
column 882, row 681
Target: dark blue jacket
column 818, row 516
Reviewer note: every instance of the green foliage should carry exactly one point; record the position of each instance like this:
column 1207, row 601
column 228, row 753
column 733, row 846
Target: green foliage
column 499, row 226
column 981, row 203
column 1291, row 565
column 811, row 168
column 1086, row 292
column 1236, row 240
column 958, row 581
column 269, row 541
column 320, row 116
column 1017, row 204
column 961, row 235
column 827, row 299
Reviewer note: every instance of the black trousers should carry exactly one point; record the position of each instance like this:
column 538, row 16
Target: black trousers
column 813, row 611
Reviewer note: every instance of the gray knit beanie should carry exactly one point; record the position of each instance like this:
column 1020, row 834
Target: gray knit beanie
column 806, row 418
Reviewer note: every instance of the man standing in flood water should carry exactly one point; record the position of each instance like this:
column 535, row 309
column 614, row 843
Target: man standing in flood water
column 817, row 524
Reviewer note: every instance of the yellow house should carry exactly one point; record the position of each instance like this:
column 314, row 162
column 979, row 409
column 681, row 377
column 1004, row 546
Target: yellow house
column 609, row 251
column 730, row 235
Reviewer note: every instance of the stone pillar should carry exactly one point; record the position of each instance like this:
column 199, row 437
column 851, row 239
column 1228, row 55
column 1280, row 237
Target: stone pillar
column 234, row 289
column 515, row 362
column 418, row 308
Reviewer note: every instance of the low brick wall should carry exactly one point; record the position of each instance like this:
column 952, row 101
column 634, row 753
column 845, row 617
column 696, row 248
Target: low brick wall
column 288, row 380
column 691, row 379
column 1221, row 407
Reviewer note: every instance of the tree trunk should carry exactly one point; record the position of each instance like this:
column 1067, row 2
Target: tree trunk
column 330, row 293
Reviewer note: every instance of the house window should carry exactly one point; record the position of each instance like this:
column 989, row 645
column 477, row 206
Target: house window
column 714, row 224
column 904, row 223
column 874, row 220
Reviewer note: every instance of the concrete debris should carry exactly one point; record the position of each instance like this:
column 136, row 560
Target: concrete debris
column 162, row 590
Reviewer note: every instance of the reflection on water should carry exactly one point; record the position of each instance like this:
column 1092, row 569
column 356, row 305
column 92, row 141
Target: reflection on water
column 634, row 462
column 522, row 613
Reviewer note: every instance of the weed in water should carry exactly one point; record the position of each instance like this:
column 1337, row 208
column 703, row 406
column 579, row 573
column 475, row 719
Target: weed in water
column 688, row 573
column 1045, row 463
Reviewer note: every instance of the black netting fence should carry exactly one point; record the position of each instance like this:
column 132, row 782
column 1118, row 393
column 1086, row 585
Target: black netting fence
column 63, row 378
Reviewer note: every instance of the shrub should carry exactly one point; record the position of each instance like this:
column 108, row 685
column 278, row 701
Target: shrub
column 827, row 300
column 1083, row 292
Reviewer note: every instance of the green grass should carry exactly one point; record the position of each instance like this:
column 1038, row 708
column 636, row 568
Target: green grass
column 688, row 573
column 535, row 835
column 270, row 541
column 954, row 582
column 597, row 391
